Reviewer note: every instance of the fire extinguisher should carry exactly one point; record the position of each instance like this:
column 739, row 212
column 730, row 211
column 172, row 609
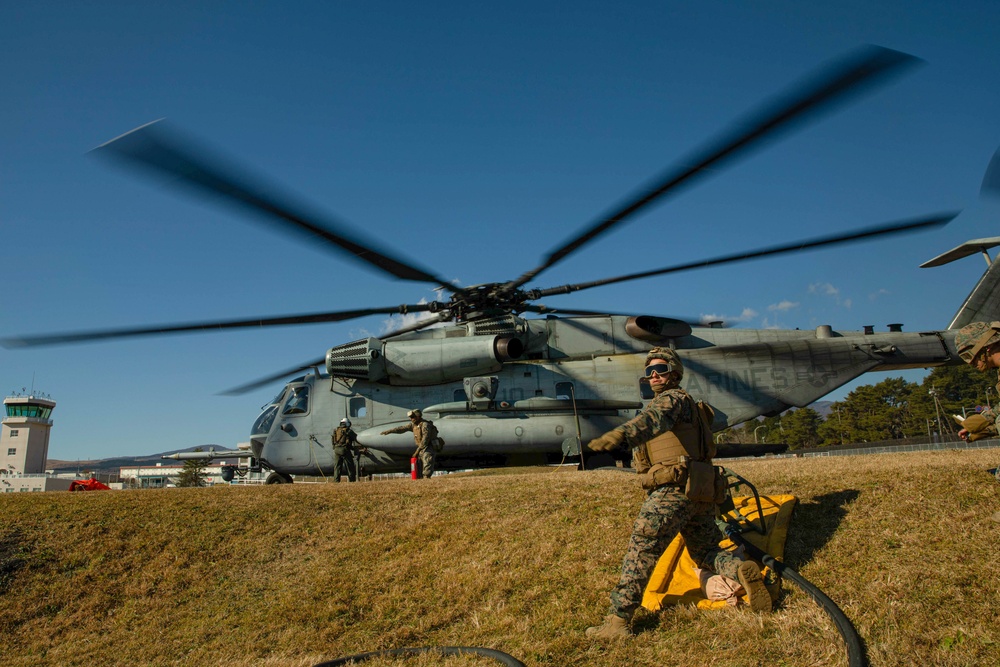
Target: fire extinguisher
column 413, row 467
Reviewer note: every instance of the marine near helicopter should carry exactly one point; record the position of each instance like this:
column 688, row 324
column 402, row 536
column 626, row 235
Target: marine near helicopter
column 507, row 389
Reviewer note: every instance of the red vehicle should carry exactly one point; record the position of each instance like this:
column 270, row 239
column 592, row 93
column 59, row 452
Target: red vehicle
column 88, row 485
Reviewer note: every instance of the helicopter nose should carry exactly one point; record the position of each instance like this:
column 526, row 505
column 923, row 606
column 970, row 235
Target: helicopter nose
column 256, row 446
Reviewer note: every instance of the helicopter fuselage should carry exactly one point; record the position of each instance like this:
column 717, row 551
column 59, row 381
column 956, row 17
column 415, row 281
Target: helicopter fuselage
column 575, row 379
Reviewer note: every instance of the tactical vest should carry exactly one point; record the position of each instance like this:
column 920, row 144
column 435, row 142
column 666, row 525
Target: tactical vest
column 424, row 434
column 683, row 440
column 341, row 436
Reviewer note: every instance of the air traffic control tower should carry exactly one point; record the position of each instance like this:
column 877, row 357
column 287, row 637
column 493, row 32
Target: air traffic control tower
column 24, row 434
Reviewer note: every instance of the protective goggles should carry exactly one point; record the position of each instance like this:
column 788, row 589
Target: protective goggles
column 969, row 355
column 659, row 369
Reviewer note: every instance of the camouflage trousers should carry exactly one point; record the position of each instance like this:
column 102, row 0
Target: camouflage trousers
column 666, row 512
column 427, row 459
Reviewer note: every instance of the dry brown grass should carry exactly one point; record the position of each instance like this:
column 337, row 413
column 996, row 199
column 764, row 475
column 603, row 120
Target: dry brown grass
column 288, row 576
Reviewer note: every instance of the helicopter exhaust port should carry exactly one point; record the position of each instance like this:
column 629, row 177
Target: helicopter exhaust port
column 508, row 349
column 656, row 329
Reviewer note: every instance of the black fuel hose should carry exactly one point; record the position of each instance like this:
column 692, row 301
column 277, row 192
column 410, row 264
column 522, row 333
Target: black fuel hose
column 499, row 656
column 857, row 655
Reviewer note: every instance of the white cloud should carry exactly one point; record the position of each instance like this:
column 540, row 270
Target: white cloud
column 745, row 316
column 783, row 306
column 824, row 288
column 879, row 293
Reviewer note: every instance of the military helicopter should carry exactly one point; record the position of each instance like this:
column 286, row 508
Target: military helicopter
column 506, row 389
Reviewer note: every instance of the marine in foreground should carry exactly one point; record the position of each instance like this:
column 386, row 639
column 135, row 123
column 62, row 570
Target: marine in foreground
column 672, row 447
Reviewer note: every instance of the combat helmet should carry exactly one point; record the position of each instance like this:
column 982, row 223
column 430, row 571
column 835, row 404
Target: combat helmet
column 669, row 356
column 973, row 338
column 345, row 422
column 414, row 413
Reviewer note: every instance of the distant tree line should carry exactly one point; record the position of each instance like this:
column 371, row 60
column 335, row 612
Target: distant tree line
column 890, row 410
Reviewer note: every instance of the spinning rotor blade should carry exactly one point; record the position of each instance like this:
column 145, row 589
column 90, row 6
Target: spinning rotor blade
column 546, row 310
column 871, row 232
column 256, row 384
column 417, row 326
column 309, row 318
column 991, row 179
column 819, row 93
column 154, row 147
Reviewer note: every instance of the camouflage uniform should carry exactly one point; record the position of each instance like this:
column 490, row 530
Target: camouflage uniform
column 665, row 512
column 424, row 435
column 970, row 341
column 344, row 439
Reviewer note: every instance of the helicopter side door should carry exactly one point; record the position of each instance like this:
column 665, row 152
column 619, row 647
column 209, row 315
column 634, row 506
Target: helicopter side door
column 291, row 439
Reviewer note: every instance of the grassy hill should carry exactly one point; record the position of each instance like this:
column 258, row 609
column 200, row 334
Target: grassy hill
column 521, row 562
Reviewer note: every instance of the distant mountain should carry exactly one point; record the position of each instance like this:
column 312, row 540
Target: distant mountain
column 823, row 408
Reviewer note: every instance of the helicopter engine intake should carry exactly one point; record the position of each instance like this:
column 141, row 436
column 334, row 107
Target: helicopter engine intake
column 423, row 360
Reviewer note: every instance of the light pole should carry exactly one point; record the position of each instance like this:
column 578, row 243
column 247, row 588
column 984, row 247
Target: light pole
column 937, row 409
column 840, row 426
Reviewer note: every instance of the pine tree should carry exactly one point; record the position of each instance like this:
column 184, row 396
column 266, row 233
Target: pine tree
column 193, row 473
column 801, row 428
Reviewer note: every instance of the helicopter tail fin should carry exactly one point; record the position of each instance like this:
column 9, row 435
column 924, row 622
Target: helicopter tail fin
column 983, row 302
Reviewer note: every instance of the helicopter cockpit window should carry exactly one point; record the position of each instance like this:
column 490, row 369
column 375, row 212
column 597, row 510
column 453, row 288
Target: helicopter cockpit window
column 277, row 399
column 357, row 407
column 298, row 401
column 263, row 424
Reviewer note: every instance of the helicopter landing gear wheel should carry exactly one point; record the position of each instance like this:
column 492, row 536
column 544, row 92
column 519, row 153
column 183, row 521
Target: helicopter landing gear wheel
column 278, row 478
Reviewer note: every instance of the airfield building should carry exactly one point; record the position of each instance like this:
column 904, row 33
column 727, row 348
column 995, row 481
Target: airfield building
column 24, row 445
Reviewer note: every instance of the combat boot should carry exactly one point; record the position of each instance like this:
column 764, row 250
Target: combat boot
column 753, row 584
column 614, row 627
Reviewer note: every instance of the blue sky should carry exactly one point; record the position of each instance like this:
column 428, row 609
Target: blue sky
column 474, row 138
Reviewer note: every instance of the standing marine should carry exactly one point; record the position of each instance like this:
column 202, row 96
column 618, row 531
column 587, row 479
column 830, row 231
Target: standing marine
column 978, row 345
column 425, row 436
column 344, row 442
column 668, row 443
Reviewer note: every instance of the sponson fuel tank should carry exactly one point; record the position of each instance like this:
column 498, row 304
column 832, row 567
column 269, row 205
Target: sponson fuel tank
column 422, row 361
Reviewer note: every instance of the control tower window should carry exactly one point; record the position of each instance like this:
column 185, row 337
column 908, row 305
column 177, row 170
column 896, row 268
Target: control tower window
column 28, row 410
column 298, row 401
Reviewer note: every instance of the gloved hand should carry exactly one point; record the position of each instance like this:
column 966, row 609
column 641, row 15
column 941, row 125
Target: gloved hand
column 607, row 442
column 384, row 433
column 977, row 427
